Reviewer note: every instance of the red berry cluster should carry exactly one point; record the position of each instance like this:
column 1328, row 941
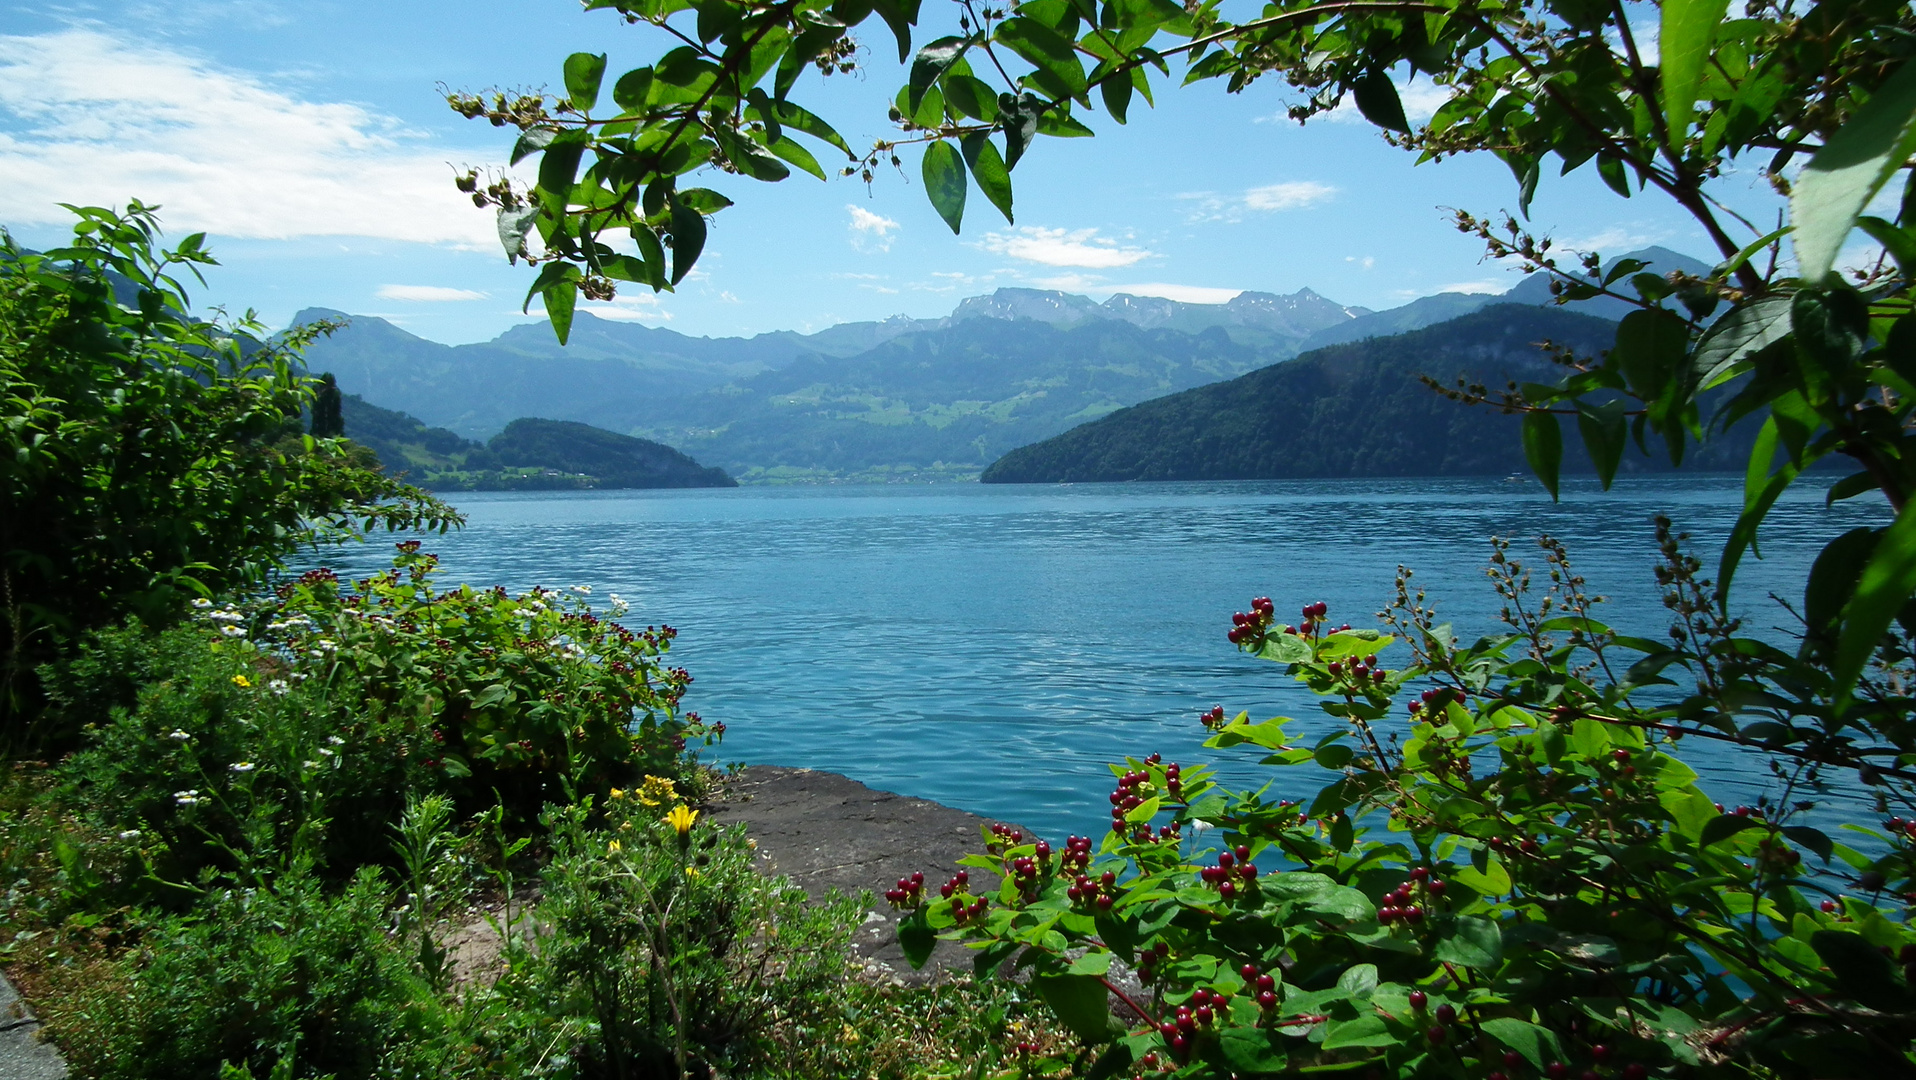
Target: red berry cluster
column 1002, row 837
column 1898, row 825
column 1026, row 870
column 1097, row 892
column 1445, row 1015
column 1260, row 984
column 1399, row 904
column 1129, row 795
column 1148, row 960
column 1360, row 671
column 1232, row 868
column 1077, row 855
column 1198, row 1016
column 955, row 891
column 909, row 891
column 1249, row 627
column 1214, row 719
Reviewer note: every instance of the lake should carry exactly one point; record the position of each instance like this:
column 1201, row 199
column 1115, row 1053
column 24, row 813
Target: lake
column 994, row 647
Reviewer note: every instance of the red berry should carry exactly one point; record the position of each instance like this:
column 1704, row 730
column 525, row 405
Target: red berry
column 1249, row 971
column 1635, row 1071
column 1418, row 999
column 1227, row 890
column 1557, row 1070
column 1437, row 1035
column 1419, row 873
column 1266, row 999
column 1601, row 1051
column 1437, row 887
column 1512, row 1058
column 1446, row 1014
column 1243, row 852
column 1266, row 983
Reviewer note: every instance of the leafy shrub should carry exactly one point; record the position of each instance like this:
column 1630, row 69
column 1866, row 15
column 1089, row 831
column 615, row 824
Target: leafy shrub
column 142, row 459
column 1511, row 873
column 264, row 976
column 681, row 953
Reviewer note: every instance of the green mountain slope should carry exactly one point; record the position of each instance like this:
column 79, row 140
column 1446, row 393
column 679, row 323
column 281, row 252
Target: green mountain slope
column 529, row 455
column 945, row 402
column 1346, row 410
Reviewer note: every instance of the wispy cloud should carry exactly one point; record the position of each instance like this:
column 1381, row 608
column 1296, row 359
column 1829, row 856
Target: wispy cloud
column 1487, row 285
column 630, row 307
column 1072, row 283
column 870, row 232
column 1205, row 206
column 426, row 294
column 1060, row 247
column 86, row 117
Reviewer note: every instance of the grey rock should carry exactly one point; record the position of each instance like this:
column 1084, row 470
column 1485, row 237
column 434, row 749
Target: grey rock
column 23, row 1054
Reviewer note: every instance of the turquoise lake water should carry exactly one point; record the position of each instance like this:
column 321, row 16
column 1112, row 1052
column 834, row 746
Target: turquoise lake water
column 993, row 647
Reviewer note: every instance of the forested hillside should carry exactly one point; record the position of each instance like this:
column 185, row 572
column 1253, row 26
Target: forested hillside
column 1346, row 410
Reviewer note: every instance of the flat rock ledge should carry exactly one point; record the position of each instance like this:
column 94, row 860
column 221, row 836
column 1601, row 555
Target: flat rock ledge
column 23, row 1054
column 826, row 831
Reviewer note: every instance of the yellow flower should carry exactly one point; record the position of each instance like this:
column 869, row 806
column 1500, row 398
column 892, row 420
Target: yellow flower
column 691, row 871
column 656, row 791
column 242, row 681
column 612, row 848
column 617, row 793
column 681, row 819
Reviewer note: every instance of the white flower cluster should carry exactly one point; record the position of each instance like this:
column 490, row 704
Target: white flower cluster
column 619, row 606
column 291, row 624
column 189, row 797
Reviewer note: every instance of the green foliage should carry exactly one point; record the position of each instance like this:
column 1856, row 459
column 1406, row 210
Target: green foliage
column 326, row 422
column 145, row 456
column 673, row 942
column 613, row 460
column 1510, row 871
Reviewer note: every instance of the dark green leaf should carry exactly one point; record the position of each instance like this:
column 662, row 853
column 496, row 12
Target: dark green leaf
column 930, row 64
column 1738, row 335
column 560, row 164
column 1724, row 826
column 1116, row 1059
column 1079, row 1003
column 1814, row 839
column 560, row 298
column 800, row 120
column 688, row 238
column 632, row 89
column 1018, row 118
column 1884, row 587
column 1832, row 581
column 1537, row 1045
column 1252, row 1051
column 1898, row 242
column 916, row 939
column 1851, row 486
column 988, row 169
column 972, row 97
column 1046, row 50
column 1334, row 755
column 530, row 142
column 1862, row 972
column 797, row 155
column 1116, row 91
column 1650, row 349
column 583, row 72
column 1377, row 99
column 944, row 174
column 1471, row 942
column 1605, row 433
column 899, row 15
column 1543, row 447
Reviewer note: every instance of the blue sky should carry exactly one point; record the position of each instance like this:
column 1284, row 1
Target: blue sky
column 310, row 141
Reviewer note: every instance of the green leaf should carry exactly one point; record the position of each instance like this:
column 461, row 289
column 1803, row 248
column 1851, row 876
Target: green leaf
column 559, row 165
column 988, row 169
column 790, row 151
column 1898, row 242
column 1471, row 942
column 1334, row 755
column 932, row 62
column 633, row 89
column 1358, row 979
column 1605, row 432
column 1849, row 170
column 1116, row 91
column 1861, row 971
column 802, row 121
column 513, row 227
column 1363, row 1031
column 583, row 72
column 531, row 142
column 1543, row 447
column 1094, row 962
column 1079, row 1003
column 1377, row 99
column 1816, row 840
column 1493, row 880
column 560, row 298
column 1046, row 50
column 1683, row 47
column 1724, row 826
column 688, row 237
column 1252, row 1051
column 1882, row 590
column 971, row 96
column 1536, row 1044
column 944, row 174
column 1650, row 349
column 916, row 939
column 1741, row 333
column 1115, row 1060
column 1832, row 581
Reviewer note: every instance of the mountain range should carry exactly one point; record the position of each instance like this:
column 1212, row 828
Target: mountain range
column 900, row 398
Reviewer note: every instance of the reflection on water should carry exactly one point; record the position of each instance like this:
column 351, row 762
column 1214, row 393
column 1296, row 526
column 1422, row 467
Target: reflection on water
column 994, row 647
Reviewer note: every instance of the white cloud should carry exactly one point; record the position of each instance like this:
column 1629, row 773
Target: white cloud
column 1189, row 294
column 1366, row 262
column 870, row 232
column 1485, row 286
column 1208, row 206
column 1290, row 195
column 1075, row 283
column 88, row 118
column 1058, row 247
column 1612, row 241
column 629, row 307
column 426, row 294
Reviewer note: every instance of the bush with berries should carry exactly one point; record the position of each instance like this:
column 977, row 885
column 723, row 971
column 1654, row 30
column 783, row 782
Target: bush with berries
column 1508, row 873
